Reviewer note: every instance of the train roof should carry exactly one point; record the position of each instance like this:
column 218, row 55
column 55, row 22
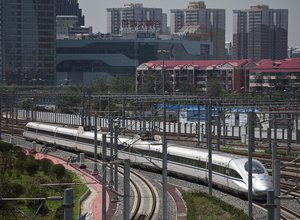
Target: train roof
column 197, row 153
column 53, row 127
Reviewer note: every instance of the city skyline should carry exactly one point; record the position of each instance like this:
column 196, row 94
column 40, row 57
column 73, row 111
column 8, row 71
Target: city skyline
column 96, row 16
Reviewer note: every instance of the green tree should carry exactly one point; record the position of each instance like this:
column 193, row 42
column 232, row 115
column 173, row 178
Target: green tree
column 101, row 85
column 66, row 104
column 31, row 166
column 5, row 164
column 45, row 165
column 26, row 104
column 59, row 171
column 19, row 165
column 214, row 88
column 20, row 153
column 5, row 148
column 123, row 84
column 17, row 189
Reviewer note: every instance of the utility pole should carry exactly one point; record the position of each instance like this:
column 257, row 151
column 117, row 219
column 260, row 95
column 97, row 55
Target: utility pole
column 111, row 145
column 123, row 114
column 277, row 189
column 250, row 150
column 165, row 166
column 270, row 205
column 116, row 159
column 104, row 177
column 126, row 201
column 89, row 110
column 12, row 119
column 224, row 126
column 209, row 146
column 289, row 136
column 82, row 110
column 218, row 128
column 198, row 128
column 95, row 170
column 178, row 122
column 68, row 204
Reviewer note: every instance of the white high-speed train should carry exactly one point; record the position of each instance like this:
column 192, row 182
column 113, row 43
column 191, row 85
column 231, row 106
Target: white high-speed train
column 228, row 171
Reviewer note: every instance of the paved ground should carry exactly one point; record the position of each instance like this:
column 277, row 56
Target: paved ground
column 180, row 203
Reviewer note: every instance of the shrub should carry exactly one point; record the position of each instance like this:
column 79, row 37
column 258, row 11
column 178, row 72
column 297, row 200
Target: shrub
column 59, row 214
column 59, row 170
column 19, row 165
column 17, row 189
column 5, row 147
column 20, row 153
column 45, row 165
column 31, row 166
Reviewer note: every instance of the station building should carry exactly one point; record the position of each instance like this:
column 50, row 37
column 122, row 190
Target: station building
column 82, row 61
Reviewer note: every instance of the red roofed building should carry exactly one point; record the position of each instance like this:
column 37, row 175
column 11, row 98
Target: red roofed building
column 281, row 75
column 191, row 75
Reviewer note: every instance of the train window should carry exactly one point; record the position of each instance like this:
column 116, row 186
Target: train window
column 202, row 164
column 65, row 136
column 233, row 173
column 85, row 140
column 124, row 148
column 256, row 167
column 171, row 158
column 187, row 161
column 218, row 169
column 138, row 151
column 31, row 129
column 45, row 132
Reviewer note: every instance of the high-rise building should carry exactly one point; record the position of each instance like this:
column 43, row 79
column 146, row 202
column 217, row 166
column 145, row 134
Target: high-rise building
column 260, row 33
column 63, row 24
column 201, row 23
column 133, row 18
column 67, row 27
column 69, row 7
column 240, row 35
column 28, row 41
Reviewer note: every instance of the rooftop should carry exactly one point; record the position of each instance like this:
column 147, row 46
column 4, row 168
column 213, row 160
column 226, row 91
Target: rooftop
column 289, row 64
column 197, row 64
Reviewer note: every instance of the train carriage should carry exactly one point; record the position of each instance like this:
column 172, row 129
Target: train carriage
column 228, row 171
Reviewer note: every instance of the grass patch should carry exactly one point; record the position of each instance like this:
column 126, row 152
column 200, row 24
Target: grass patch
column 202, row 206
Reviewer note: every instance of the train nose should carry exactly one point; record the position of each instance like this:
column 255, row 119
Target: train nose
column 261, row 188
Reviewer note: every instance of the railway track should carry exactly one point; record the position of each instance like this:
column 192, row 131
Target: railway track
column 146, row 203
column 288, row 214
column 285, row 213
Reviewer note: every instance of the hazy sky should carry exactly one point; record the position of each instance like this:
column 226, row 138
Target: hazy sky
column 96, row 16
